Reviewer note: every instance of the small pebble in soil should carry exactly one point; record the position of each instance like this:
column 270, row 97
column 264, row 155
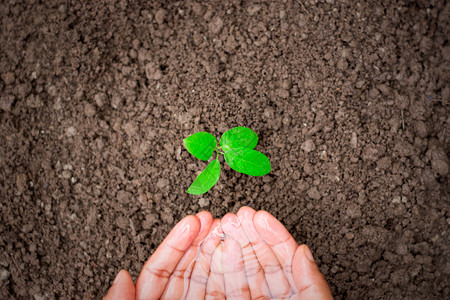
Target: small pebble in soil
column 360, row 84
column 253, row 9
column 313, row 193
column 100, row 99
column 4, row 274
column 384, row 163
column 131, row 128
column 162, row 183
column 354, row 211
column 167, row 216
column 71, row 131
column 370, row 153
column 308, row 146
column 150, row 220
column 123, row 196
column 6, row 102
column 152, row 72
column 216, row 25
column 122, row 222
column 283, row 93
column 349, row 235
column 89, row 110
column 203, row 202
column 8, row 78
column 354, row 140
column 286, row 84
column 396, row 199
column 67, row 167
column 116, row 100
column 160, row 16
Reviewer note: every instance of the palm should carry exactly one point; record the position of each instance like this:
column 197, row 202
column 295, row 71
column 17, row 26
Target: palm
column 247, row 255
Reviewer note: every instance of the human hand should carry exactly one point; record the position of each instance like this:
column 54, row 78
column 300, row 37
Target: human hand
column 164, row 272
column 248, row 255
column 272, row 265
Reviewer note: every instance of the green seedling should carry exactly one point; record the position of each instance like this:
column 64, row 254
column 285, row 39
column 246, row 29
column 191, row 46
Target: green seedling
column 236, row 145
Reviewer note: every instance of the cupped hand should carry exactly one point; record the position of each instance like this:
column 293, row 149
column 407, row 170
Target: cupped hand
column 248, row 255
column 272, row 265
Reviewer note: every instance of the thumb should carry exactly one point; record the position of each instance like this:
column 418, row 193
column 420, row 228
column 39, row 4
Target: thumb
column 122, row 288
column 307, row 277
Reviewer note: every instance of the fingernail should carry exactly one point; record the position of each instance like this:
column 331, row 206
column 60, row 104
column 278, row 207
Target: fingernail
column 118, row 276
column 309, row 254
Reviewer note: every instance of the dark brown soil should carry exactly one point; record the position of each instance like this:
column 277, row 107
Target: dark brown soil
column 349, row 99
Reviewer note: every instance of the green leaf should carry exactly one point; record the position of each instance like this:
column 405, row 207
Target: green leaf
column 238, row 137
column 201, row 145
column 206, row 180
column 248, row 161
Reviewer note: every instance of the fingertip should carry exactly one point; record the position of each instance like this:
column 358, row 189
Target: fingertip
column 216, row 229
column 183, row 234
column 307, row 277
column 245, row 216
column 270, row 229
column 188, row 225
column 191, row 219
column 205, row 216
column 206, row 220
column 245, row 211
column 261, row 217
column 230, row 223
column 227, row 218
column 126, row 279
column 122, row 287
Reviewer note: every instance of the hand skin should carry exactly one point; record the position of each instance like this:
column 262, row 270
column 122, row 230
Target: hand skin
column 248, row 255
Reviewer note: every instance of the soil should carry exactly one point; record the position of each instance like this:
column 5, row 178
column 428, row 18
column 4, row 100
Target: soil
column 349, row 99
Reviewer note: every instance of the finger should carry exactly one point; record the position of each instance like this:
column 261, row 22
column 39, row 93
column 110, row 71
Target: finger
column 277, row 282
column 215, row 288
column 202, row 266
column 122, row 288
column 280, row 241
column 179, row 280
column 232, row 228
column 236, row 286
column 308, row 279
column 156, row 271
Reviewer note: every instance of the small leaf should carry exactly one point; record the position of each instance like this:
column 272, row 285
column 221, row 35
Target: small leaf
column 201, row 145
column 248, row 161
column 206, row 180
column 238, row 137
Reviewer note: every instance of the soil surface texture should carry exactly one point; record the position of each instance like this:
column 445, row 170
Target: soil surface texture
column 349, row 99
